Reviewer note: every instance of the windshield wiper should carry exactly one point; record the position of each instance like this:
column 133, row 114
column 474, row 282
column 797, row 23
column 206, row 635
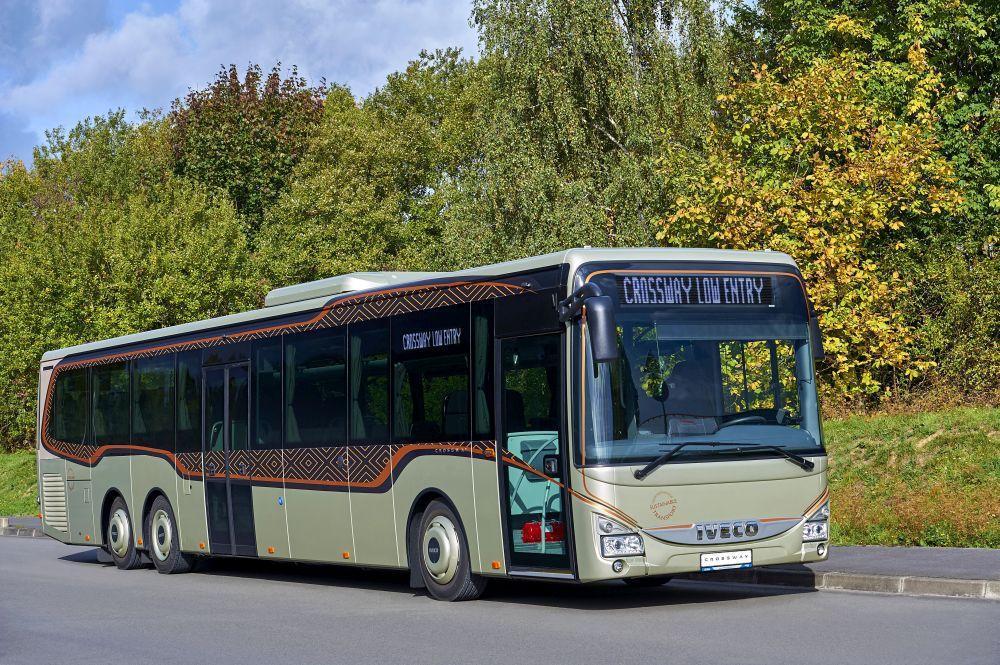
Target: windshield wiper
column 797, row 460
column 665, row 457
column 739, row 448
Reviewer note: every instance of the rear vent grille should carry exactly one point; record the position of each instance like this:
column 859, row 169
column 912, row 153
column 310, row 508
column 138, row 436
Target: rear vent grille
column 54, row 501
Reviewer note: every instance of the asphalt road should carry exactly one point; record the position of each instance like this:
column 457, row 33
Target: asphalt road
column 59, row 604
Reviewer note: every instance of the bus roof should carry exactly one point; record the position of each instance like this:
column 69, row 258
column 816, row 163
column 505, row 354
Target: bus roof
column 315, row 295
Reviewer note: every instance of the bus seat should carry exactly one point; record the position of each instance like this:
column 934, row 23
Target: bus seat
column 424, row 430
column 514, row 404
column 456, row 414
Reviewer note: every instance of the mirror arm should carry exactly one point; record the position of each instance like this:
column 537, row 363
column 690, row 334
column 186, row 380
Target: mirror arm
column 572, row 306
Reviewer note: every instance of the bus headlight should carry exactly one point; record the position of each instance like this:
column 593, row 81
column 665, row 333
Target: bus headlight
column 817, row 526
column 617, row 540
column 616, row 546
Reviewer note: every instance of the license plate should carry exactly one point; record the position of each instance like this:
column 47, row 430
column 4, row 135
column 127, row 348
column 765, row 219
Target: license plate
column 727, row 560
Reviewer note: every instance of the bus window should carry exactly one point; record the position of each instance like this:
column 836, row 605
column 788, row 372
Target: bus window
column 153, row 403
column 111, row 404
column 430, row 375
column 266, row 386
column 369, row 378
column 69, row 414
column 189, row 402
column 315, row 390
column 482, row 369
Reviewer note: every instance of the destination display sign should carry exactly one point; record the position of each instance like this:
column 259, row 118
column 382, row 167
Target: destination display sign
column 695, row 289
column 430, row 339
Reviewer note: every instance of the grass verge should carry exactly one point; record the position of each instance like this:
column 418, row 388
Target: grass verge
column 17, row 484
column 916, row 479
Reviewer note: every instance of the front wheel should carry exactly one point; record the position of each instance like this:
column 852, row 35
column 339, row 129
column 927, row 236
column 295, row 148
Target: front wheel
column 164, row 543
column 444, row 556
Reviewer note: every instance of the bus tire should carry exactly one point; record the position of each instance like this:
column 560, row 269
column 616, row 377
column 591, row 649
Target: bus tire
column 118, row 536
column 444, row 556
column 646, row 581
column 163, row 541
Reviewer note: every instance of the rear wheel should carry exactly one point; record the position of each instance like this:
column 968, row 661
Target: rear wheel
column 444, row 556
column 118, row 537
column 164, row 543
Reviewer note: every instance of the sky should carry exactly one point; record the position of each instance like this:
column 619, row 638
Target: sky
column 64, row 60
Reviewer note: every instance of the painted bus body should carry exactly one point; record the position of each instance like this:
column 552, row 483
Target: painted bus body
column 538, row 459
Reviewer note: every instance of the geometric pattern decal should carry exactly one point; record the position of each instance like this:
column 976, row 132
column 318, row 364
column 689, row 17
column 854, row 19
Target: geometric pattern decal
column 363, row 468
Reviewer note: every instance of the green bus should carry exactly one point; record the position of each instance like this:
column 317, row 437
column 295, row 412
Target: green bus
column 592, row 414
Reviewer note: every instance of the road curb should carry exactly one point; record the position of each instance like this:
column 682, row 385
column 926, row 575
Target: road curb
column 837, row 581
column 21, row 532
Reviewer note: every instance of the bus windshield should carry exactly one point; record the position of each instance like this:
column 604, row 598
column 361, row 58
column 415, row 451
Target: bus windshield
column 720, row 378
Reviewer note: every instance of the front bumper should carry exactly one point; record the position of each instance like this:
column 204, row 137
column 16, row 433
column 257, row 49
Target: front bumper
column 664, row 559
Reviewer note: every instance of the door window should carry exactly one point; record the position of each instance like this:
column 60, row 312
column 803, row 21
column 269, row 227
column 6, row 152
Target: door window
column 530, row 401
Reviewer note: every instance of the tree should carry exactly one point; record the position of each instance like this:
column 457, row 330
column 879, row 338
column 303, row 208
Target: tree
column 370, row 191
column 809, row 165
column 101, row 239
column 245, row 137
column 571, row 106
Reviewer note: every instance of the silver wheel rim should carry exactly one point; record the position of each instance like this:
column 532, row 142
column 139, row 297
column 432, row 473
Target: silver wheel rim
column 162, row 535
column 440, row 549
column 119, row 533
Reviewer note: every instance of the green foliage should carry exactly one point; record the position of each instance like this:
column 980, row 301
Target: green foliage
column 571, row 105
column 959, row 305
column 369, row 193
column 18, row 484
column 245, row 137
column 104, row 240
column 810, row 166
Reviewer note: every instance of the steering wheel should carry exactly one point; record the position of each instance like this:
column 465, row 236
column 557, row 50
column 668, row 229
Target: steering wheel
column 745, row 420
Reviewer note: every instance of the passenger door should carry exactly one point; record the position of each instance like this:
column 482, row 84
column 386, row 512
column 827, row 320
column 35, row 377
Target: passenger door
column 227, row 463
column 530, row 398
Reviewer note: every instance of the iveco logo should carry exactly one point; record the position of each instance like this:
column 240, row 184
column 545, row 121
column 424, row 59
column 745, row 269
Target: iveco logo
column 725, row 530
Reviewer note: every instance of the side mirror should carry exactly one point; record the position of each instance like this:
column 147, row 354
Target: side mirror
column 600, row 320
column 816, row 337
column 603, row 333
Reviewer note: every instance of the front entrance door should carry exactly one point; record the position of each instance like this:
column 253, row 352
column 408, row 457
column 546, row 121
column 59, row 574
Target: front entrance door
column 227, row 464
column 531, row 409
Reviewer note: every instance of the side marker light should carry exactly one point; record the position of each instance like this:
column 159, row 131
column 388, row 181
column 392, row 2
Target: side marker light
column 496, row 565
column 347, row 555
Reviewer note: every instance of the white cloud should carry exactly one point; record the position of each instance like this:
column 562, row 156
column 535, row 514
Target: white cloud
column 87, row 64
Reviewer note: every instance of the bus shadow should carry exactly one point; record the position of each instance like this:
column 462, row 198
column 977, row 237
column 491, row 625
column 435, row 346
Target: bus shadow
column 594, row 597
column 618, row 596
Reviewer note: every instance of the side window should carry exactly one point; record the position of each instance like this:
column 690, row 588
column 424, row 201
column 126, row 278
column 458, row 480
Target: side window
column 110, row 415
column 531, row 384
column 369, row 382
column 69, row 407
column 482, row 370
column 430, row 375
column 153, row 403
column 189, row 402
column 266, row 386
column 315, row 390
